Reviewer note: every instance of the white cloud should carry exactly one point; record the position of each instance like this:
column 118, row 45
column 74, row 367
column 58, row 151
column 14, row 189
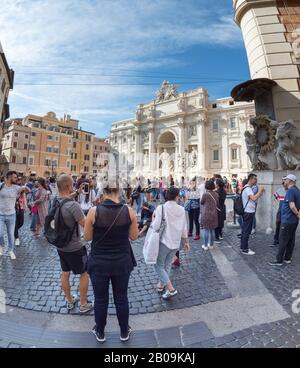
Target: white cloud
column 109, row 36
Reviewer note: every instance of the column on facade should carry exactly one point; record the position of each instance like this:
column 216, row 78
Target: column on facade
column 138, row 149
column 180, row 151
column 152, row 158
column 201, row 145
column 224, row 140
column 181, row 136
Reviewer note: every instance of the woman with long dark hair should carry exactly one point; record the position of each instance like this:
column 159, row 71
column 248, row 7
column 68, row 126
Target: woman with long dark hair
column 88, row 199
column 209, row 214
column 110, row 225
column 221, row 211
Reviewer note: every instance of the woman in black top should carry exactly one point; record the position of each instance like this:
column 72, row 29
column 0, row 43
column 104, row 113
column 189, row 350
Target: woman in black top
column 222, row 209
column 110, row 225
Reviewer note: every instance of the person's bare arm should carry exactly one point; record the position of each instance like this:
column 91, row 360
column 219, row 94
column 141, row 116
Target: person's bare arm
column 77, row 192
column 88, row 224
column 255, row 197
column 293, row 208
column 133, row 229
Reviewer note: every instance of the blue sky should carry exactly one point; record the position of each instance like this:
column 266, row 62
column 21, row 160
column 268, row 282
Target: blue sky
column 124, row 43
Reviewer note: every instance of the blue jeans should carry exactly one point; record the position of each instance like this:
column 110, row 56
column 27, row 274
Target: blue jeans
column 209, row 237
column 161, row 197
column 33, row 221
column 10, row 222
column 164, row 262
column 139, row 204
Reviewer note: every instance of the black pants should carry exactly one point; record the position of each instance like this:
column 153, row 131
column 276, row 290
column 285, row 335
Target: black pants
column 286, row 242
column 19, row 222
column 246, row 230
column 194, row 219
column 218, row 232
column 101, row 291
column 277, row 231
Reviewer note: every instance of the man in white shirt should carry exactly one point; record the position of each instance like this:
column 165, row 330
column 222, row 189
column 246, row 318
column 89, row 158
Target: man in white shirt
column 9, row 192
column 249, row 204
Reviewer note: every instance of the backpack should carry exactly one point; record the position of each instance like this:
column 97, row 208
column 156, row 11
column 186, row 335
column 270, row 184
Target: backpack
column 56, row 231
column 238, row 205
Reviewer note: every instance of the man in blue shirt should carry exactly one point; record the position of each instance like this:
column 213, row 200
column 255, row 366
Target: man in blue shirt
column 290, row 216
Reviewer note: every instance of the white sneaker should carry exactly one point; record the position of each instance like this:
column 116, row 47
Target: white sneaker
column 12, row 255
column 253, row 231
column 211, row 246
column 17, row 242
column 204, row 247
column 249, row 253
column 1, row 251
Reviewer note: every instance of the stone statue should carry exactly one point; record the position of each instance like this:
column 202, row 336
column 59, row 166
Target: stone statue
column 286, row 136
column 193, row 131
column 145, row 137
column 193, row 157
column 166, row 92
column 253, row 151
column 165, row 162
column 151, row 113
column 139, row 114
column 182, row 105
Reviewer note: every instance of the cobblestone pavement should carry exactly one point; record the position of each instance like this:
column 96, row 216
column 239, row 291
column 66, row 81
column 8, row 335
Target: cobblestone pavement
column 281, row 281
column 33, row 280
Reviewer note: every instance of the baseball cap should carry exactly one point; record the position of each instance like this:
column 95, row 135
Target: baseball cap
column 290, row 177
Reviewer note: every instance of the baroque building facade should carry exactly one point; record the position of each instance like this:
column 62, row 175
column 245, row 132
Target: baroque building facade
column 183, row 134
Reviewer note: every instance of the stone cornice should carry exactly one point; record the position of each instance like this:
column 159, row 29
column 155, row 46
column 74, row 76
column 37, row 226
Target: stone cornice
column 249, row 4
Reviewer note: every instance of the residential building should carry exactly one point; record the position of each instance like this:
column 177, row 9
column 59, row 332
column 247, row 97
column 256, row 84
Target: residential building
column 100, row 154
column 6, row 83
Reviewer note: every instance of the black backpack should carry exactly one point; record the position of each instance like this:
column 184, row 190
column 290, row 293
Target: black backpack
column 238, row 205
column 56, row 231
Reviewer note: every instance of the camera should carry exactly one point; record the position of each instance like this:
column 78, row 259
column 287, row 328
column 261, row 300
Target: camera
column 86, row 188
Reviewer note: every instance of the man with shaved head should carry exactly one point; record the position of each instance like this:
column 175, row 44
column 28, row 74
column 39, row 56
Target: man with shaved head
column 73, row 256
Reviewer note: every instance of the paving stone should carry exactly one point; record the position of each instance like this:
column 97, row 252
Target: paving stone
column 36, row 279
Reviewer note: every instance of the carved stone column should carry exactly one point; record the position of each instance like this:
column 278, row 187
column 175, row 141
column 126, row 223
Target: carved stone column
column 224, row 149
column 182, row 138
column 201, row 146
column 152, row 158
column 138, row 148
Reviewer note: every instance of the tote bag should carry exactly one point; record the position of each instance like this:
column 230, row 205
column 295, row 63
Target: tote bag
column 151, row 244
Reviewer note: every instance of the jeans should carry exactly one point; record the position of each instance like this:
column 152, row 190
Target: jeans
column 33, row 221
column 164, row 262
column 19, row 222
column 161, row 197
column 10, row 222
column 246, row 230
column 194, row 219
column 286, row 242
column 138, row 204
column 101, row 292
column 209, row 237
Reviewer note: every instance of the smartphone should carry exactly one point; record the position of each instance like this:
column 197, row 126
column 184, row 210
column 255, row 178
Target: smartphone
column 86, row 188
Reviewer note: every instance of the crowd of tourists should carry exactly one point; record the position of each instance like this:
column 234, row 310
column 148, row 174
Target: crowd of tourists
column 71, row 211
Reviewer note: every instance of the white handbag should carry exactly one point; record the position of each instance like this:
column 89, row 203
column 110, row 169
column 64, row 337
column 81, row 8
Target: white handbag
column 151, row 244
